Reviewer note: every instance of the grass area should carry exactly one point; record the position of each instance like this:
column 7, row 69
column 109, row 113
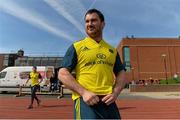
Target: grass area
column 171, row 81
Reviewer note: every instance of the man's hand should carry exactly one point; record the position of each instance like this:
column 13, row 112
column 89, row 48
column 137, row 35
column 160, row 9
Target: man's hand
column 110, row 98
column 118, row 87
column 90, row 98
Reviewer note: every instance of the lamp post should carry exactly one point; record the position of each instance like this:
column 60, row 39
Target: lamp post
column 165, row 67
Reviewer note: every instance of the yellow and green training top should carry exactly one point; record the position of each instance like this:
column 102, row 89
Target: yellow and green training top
column 34, row 76
column 95, row 65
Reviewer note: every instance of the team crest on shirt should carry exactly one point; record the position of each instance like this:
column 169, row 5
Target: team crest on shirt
column 111, row 51
column 101, row 56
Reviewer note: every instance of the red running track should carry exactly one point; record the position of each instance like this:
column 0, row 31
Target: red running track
column 52, row 108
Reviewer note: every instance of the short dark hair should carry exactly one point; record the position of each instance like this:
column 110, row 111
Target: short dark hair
column 101, row 16
column 34, row 67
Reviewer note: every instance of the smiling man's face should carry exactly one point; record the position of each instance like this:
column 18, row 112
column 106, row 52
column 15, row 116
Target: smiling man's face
column 93, row 25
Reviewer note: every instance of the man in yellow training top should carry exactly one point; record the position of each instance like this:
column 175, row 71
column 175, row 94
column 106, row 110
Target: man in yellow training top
column 100, row 75
column 34, row 77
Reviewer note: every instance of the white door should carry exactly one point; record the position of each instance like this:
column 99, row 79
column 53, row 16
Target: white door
column 3, row 77
column 12, row 79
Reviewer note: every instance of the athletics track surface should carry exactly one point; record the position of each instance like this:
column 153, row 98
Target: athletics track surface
column 53, row 108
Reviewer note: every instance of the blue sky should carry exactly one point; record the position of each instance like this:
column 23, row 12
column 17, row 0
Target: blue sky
column 49, row 27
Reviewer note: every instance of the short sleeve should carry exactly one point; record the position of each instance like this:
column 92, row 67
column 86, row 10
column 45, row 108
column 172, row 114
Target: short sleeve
column 70, row 59
column 118, row 66
column 40, row 76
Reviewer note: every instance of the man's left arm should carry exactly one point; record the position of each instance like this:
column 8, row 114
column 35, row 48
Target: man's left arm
column 41, row 79
column 120, row 82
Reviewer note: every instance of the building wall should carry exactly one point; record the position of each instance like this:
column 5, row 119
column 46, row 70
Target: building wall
column 7, row 60
column 13, row 60
column 39, row 61
column 146, row 57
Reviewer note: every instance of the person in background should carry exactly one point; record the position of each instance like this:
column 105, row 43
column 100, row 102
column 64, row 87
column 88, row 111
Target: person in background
column 35, row 85
column 95, row 88
column 53, row 83
column 175, row 77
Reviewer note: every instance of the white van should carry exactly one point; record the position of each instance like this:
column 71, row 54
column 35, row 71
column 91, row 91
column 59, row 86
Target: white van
column 17, row 76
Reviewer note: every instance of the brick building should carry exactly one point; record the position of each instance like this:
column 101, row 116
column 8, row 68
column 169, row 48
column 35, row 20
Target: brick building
column 7, row 60
column 18, row 59
column 39, row 61
column 150, row 58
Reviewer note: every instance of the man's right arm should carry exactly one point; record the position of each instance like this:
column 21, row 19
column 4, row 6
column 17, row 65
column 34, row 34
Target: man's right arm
column 27, row 80
column 69, row 63
column 69, row 81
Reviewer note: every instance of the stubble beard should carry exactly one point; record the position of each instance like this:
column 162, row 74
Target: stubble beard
column 94, row 34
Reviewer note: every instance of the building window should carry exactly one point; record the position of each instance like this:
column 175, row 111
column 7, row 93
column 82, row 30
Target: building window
column 44, row 61
column 6, row 56
column 52, row 61
column 37, row 61
column 23, row 61
column 126, row 58
column 31, row 61
column 5, row 62
column 59, row 62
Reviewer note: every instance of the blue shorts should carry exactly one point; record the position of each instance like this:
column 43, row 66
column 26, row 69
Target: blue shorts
column 98, row 111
